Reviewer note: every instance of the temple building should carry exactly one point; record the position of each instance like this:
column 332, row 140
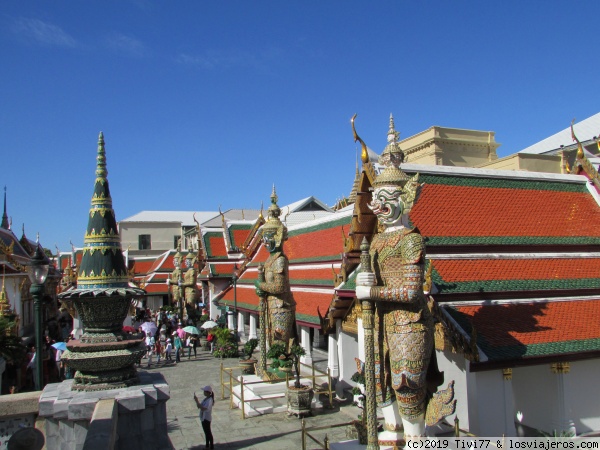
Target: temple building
column 555, row 154
column 513, row 284
column 512, row 274
column 17, row 302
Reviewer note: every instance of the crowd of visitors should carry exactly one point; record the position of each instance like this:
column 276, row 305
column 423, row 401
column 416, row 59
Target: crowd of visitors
column 166, row 343
column 168, row 339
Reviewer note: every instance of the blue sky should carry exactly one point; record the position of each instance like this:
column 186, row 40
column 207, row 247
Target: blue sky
column 208, row 103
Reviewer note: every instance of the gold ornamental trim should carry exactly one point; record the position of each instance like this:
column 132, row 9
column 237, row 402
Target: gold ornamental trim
column 350, row 322
column 560, row 367
column 507, row 373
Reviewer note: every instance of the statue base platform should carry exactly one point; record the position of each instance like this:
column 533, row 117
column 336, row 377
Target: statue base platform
column 262, row 397
column 386, row 439
column 354, row 445
column 129, row 418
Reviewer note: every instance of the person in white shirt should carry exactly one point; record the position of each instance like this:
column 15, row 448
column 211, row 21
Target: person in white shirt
column 206, row 414
column 149, row 347
column 168, row 350
column 59, row 364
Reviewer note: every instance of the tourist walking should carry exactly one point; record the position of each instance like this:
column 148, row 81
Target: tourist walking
column 168, row 349
column 192, row 343
column 158, row 350
column 211, row 340
column 178, row 348
column 149, row 347
column 206, row 414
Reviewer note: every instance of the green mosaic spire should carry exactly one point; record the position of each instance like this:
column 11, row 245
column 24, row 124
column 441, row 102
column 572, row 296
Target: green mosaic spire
column 102, row 264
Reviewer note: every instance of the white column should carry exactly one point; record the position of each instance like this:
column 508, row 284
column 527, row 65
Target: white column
column 252, row 334
column 318, row 339
column 241, row 320
column 332, row 351
column 509, row 404
column 230, row 320
column 305, row 342
column 562, row 423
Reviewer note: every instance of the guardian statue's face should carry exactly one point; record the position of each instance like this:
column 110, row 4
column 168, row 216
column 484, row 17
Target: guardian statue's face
column 387, row 205
column 269, row 241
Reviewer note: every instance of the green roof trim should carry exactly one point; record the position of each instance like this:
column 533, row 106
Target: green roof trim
column 503, row 183
column 302, row 317
column 241, row 226
column 242, row 304
column 336, row 257
column 482, row 286
column 322, row 226
column 312, row 281
column 350, row 283
column 237, row 227
column 206, row 240
column 511, row 240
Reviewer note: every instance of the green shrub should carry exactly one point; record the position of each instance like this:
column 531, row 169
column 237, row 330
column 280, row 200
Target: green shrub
column 249, row 347
column 223, row 335
column 226, row 350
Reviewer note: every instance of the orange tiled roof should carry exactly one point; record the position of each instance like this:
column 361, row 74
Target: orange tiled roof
column 215, row 244
column 468, row 207
column 522, row 330
column 224, row 270
column 510, row 269
column 143, row 267
column 307, row 303
column 156, row 288
column 239, row 235
column 495, row 275
column 311, row 275
column 320, row 242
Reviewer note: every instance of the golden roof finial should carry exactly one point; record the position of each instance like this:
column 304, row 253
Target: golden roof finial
column 364, row 154
column 579, row 147
column 222, row 216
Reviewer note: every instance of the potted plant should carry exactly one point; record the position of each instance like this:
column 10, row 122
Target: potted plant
column 277, row 355
column 299, row 396
column 247, row 362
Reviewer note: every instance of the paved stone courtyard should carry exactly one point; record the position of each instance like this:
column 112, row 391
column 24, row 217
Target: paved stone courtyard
column 271, row 431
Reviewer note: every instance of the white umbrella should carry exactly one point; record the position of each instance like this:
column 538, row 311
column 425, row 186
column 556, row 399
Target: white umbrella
column 149, row 327
column 209, row 324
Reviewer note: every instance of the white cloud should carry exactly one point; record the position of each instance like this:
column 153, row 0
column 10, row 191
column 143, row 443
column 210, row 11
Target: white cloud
column 226, row 59
column 195, row 61
column 41, row 32
column 126, row 44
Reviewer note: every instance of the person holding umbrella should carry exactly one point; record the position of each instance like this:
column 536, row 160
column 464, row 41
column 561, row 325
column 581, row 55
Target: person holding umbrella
column 192, row 340
column 192, row 345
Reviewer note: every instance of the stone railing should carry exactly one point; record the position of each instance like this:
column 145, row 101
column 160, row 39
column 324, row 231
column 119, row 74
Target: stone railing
column 18, row 411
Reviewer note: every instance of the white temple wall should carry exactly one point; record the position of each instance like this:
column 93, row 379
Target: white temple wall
column 535, row 389
column 582, row 395
column 216, row 286
column 347, row 351
column 489, row 402
column 454, row 368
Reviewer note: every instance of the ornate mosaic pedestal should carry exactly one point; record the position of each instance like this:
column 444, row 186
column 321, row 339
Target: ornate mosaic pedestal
column 104, row 357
